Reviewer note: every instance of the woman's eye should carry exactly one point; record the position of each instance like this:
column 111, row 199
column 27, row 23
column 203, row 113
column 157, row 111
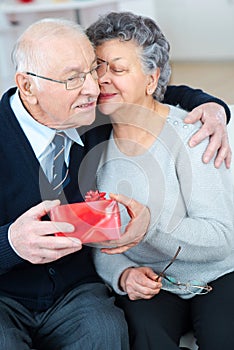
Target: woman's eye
column 118, row 70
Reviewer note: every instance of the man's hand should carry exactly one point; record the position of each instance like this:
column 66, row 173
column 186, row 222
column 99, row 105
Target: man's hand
column 140, row 283
column 213, row 117
column 34, row 240
column 135, row 230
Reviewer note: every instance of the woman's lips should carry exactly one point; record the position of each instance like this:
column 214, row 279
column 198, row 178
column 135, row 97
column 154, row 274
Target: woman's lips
column 106, row 96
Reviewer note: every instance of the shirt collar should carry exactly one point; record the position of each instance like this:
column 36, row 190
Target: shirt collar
column 39, row 135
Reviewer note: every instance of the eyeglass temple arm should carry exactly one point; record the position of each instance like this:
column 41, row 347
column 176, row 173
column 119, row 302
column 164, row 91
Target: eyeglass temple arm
column 170, row 263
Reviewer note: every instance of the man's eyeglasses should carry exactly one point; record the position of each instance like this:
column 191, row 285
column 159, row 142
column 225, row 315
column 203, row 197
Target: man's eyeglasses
column 193, row 287
column 76, row 81
column 114, row 67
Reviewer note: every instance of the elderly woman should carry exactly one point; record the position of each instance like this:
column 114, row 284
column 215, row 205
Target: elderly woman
column 177, row 276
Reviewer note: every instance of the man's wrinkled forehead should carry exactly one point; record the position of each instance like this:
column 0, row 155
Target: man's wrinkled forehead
column 70, row 52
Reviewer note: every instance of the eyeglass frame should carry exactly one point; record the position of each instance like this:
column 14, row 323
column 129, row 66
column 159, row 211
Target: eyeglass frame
column 206, row 288
column 108, row 67
column 81, row 75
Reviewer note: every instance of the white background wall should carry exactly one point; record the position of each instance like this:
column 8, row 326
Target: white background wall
column 196, row 29
column 143, row 7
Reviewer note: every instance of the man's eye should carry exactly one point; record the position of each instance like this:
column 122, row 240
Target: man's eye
column 77, row 77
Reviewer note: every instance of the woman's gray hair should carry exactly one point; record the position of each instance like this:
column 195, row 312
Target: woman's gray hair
column 154, row 47
column 27, row 54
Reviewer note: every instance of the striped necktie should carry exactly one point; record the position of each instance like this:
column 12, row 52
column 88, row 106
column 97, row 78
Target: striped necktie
column 60, row 171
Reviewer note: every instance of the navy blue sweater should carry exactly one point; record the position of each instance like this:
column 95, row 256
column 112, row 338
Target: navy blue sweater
column 38, row 286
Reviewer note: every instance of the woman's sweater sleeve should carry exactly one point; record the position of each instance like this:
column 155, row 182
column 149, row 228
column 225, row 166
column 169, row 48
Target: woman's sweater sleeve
column 110, row 267
column 202, row 221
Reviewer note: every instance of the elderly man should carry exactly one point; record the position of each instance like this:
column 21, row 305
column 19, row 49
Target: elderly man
column 50, row 295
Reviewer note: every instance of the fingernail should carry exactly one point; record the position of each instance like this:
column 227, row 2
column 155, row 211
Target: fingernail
column 70, row 228
column 75, row 240
column 192, row 143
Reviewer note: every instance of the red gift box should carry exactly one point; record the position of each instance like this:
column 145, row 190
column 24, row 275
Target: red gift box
column 94, row 221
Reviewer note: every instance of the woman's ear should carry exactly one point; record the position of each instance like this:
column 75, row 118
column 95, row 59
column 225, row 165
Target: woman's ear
column 26, row 87
column 153, row 82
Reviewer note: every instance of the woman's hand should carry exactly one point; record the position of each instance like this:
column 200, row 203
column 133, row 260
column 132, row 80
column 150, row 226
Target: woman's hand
column 140, row 283
column 213, row 117
column 136, row 228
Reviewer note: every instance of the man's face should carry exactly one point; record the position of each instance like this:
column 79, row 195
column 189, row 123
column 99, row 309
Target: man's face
column 53, row 105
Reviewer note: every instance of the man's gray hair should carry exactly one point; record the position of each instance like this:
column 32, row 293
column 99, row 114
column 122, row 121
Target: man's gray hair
column 27, row 54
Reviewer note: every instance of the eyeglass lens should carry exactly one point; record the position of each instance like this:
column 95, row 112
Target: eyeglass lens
column 79, row 80
column 102, row 68
column 193, row 287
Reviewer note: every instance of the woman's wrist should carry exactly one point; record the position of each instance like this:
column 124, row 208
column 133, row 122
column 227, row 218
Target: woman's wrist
column 123, row 278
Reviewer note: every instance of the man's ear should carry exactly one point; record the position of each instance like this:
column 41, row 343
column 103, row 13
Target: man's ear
column 26, row 87
column 153, row 82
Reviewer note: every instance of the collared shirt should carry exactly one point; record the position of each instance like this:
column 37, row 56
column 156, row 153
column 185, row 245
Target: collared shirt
column 40, row 136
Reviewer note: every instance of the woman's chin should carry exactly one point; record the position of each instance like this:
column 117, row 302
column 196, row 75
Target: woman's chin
column 108, row 108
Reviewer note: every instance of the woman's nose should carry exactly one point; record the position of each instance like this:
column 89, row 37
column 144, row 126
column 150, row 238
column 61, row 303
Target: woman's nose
column 105, row 78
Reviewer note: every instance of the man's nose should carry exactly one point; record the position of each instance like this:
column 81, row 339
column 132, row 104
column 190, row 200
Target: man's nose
column 90, row 85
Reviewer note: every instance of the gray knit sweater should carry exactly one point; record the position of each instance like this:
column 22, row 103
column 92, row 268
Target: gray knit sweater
column 191, row 205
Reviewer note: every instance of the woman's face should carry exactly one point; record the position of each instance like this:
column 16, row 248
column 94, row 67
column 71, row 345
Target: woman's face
column 124, row 82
